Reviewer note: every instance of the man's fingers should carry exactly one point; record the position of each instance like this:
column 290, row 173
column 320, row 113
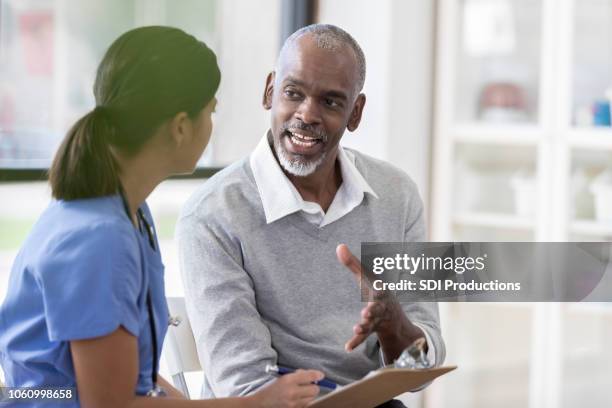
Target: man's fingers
column 346, row 257
column 365, row 327
column 378, row 309
column 355, row 341
column 349, row 260
column 369, row 324
column 371, row 314
column 372, row 310
column 362, row 328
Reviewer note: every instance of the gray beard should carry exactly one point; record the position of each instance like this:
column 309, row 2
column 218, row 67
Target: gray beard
column 296, row 167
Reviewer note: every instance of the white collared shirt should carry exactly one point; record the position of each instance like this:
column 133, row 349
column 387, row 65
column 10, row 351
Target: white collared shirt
column 280, row 197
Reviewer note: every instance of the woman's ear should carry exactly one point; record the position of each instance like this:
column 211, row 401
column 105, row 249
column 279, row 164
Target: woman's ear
column 181, row 129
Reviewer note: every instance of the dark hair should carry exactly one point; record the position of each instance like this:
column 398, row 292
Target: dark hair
column 147, row 76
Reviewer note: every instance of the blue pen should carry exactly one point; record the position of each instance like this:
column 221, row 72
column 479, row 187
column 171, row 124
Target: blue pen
column 279, row 370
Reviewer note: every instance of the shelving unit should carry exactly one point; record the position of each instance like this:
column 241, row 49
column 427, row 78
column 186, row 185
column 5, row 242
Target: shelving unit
column 493, row 220
column 486, row 134
column 589, row 138
column 542, row 61
column 591, row 228
column 546, row 35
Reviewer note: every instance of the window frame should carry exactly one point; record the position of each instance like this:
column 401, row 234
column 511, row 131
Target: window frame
column 295, row 14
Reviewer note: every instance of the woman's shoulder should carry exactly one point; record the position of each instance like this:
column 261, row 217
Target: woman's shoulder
column 85, row 257
column 106, row 208
column 89, row 224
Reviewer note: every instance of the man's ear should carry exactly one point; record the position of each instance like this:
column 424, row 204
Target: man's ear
column 268, row 91
column 181, row 129
column 355, row 117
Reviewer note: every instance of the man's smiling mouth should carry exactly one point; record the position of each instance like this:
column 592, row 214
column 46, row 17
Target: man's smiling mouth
column 300, row 138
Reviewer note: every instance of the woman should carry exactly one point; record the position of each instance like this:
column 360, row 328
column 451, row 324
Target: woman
column 86, row 304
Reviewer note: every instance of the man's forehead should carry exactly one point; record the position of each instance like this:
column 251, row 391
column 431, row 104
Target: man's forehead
column 306, row 60
column 311, row 46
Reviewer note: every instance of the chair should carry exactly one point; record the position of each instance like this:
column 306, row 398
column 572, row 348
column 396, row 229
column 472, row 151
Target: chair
column 180, row 353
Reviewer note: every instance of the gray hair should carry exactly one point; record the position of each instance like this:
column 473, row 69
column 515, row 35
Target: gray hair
column 333, row 38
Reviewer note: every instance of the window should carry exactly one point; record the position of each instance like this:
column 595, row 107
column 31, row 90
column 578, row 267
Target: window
column 49, row 52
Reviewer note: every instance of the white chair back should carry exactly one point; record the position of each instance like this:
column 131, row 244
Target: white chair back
column 180, row 352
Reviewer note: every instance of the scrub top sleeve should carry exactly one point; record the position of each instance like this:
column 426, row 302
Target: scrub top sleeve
column 91, row 281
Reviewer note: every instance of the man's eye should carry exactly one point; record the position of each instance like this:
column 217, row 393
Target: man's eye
column 332, row 103
column 291, row 94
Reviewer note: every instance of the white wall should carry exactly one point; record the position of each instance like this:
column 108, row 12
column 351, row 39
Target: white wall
column 248, row 33
column 397, row 39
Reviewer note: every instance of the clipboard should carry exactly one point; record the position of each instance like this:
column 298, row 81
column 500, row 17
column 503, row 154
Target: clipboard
column 378, row 387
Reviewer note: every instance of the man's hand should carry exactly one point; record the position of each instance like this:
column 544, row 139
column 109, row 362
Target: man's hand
column 382, row 315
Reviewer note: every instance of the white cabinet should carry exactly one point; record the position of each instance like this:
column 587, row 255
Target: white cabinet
column 521, row 134
column 517, row 84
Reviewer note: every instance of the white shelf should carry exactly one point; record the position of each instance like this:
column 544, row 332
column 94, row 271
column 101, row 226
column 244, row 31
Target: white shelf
column 590, row 138
column 550, row 148
column 591, row 227
column 600, row 308
column 493, row 220
column 495, row 366
column 493, row 134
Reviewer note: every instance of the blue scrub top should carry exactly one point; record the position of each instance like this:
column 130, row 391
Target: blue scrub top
column 83, row 271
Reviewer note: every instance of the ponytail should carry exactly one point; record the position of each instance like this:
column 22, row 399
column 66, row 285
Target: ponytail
column 83, row 166
column 147, row 76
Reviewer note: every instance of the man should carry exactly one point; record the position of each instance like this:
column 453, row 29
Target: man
column 260, row 241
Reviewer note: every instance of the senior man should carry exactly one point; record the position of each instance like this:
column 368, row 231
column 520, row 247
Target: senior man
column 265, row 274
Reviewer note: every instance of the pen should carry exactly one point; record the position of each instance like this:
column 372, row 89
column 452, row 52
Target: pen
column 280, row 370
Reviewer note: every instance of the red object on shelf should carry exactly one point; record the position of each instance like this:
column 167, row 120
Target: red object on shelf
column 502, row 95
column 36, row 29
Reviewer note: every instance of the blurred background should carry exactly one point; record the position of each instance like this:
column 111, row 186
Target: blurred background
column 498, row 109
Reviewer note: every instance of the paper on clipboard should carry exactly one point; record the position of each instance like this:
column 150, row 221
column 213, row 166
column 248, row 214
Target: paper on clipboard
column 378, row 387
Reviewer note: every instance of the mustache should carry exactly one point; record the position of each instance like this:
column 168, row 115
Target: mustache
column 299, row 125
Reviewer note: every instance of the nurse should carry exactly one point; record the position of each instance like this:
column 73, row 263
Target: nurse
column 86, row 305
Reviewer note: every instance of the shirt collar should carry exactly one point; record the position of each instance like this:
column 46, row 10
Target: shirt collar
column 351, row 176
column 278, row 194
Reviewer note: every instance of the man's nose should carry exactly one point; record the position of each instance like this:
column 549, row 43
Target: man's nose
column 308, row 112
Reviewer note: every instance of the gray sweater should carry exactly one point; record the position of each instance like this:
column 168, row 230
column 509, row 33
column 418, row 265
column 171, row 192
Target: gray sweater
column 275, row 293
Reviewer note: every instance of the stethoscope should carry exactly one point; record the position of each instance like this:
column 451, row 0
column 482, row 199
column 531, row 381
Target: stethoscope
column 156, row 391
